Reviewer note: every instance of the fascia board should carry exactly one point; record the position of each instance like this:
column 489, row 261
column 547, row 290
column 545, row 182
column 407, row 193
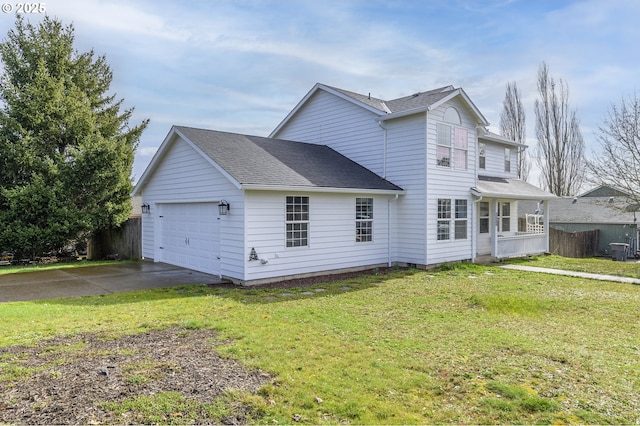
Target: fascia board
column 154, row 162
column 258, row 187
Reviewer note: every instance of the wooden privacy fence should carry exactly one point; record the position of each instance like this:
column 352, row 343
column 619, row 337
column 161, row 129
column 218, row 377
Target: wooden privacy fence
column 574, row 244
column 125, row 242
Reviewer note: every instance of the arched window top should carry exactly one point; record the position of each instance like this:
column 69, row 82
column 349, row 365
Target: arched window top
column 452, row 116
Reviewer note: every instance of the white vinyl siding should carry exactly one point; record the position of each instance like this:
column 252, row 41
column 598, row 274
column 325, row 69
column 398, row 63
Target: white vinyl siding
column 326, row 119
column 406, row 167
column 451, row 183
column 495, row 160
column 332, row 244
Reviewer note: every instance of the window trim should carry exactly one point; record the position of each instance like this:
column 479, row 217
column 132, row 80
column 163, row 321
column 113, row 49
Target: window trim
column 443, row 224
column 455, row 140
column 296, row 219
column 486, row 217
column 502, row 217
column 367, row 222
column 507, row 160
column 460, row 219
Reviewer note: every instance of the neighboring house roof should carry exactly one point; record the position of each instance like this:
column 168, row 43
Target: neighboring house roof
column 605, row 191
column 602, row 210
column 495, row 187
column 254, row 162
column 418, row 102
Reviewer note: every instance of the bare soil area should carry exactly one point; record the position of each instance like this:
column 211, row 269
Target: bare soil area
column 65, row 380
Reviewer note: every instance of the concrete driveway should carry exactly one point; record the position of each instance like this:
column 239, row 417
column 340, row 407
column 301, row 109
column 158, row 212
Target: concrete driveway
column 92, row 280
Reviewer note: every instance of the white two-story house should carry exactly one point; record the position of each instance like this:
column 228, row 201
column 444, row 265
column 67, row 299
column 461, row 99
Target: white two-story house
column 346, row 181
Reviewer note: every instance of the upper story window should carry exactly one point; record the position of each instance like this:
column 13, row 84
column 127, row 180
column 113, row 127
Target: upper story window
column 452, row 116
column 364, row 220
column 507, row 160
column 297, row 221
column 443, row 148
column 482, row 155
column 451, row 146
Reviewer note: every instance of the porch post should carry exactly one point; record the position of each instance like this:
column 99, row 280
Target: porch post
column 546, row 225
column 494, row 234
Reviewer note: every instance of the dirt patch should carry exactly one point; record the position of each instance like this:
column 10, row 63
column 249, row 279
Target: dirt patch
column 64, row 380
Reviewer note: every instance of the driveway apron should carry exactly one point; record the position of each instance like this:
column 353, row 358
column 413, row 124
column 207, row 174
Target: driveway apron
column 94, row 280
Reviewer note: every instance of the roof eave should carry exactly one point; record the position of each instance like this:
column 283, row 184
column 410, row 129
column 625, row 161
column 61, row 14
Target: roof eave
column 302, row 188
column 137, row 190
column 501, row 140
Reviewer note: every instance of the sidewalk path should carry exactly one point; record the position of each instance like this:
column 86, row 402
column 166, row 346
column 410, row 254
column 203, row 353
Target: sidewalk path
column 573, row 274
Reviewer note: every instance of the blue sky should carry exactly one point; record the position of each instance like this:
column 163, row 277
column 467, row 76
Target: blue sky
column 241, row 66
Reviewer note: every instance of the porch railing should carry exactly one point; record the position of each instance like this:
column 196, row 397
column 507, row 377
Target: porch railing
column 520, row 244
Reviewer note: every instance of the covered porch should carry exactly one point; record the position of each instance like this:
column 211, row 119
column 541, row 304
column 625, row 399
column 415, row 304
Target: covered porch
column 496, row 208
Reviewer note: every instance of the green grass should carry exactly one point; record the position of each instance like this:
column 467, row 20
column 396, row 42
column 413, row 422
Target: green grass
column 17, row 269
column 602, row 265
column 465, row 344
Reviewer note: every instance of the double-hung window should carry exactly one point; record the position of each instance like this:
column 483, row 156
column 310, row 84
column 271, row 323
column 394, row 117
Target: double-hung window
column 482, row 156
column 444, row 219
column 461, row 220
column 484, row 217
column 297, row 221
column 452, row 219
column 507, row 160
column 504, row 217
column 364, row 220
column 443, row 145
column 451, row 146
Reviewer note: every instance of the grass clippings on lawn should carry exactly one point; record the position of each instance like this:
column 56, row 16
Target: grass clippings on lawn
column 467, row 345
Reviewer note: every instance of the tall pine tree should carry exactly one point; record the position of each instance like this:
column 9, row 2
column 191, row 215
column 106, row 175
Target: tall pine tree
column 66, row 147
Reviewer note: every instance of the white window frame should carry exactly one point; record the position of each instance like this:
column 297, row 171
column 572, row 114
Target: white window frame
column 452, row 146
column 364, row 219
column 484, row 216
column 482, row 156
column 443, row 225
column 507, row 160
column 502, row 218
column 297, row 215
column 461, row 218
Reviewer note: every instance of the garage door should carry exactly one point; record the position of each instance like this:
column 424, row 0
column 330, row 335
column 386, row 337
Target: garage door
column 190, row 236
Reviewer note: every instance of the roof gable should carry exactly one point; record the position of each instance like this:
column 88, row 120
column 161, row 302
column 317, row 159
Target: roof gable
column 418, row 102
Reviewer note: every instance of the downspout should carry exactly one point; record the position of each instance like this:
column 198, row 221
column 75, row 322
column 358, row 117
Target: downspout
column 389, row 262
column 426, row 185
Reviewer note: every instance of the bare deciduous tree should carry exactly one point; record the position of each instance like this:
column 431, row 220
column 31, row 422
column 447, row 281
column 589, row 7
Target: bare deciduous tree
column 513, row 126
column 618, row 164
column 560, row 149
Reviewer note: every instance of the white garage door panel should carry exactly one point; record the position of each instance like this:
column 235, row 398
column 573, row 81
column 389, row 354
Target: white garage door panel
column 189, row 236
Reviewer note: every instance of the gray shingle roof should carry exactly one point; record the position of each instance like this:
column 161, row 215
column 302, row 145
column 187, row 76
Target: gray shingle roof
column 254, row 160
column 406, row 103
column 509, row 188
column 589, row 210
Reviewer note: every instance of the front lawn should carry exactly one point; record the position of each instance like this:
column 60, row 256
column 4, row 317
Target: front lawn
column 470, row 345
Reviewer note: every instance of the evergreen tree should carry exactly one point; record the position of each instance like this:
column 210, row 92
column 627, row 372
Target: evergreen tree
column 66, row 147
